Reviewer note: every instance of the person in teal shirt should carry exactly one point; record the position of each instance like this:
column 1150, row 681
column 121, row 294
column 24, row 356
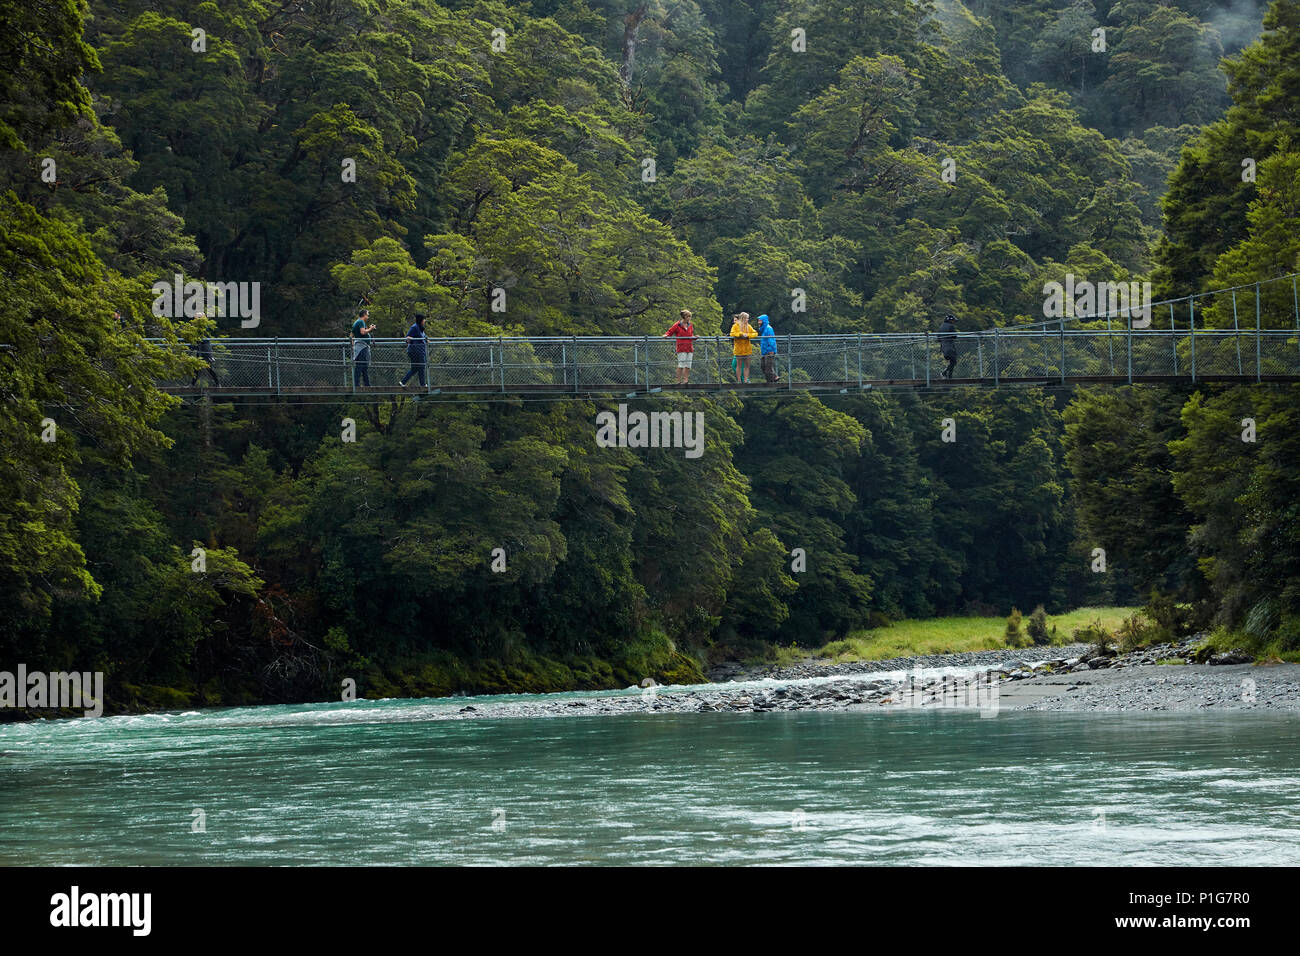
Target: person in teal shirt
column 361, row 330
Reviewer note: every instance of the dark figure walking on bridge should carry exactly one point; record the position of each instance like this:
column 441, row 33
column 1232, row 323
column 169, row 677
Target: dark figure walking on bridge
column 948, row 343
column 416, row 352
column 361, row 330
column 203, row 349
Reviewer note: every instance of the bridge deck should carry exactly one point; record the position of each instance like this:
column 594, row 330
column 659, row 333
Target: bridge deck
column 771, row 389
column 558, row 368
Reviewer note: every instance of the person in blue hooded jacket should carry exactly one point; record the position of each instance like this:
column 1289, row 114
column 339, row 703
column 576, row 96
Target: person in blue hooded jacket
column 767, row 348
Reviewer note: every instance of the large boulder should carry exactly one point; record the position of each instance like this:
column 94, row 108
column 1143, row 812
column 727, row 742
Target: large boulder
column 1232, row 657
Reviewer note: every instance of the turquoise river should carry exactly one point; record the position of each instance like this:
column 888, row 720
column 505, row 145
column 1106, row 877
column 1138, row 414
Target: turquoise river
column 389, row 782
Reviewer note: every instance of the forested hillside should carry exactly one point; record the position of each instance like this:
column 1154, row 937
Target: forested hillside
column 840, row 165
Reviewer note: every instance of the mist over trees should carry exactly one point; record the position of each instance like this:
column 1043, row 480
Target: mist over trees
column 607, row 165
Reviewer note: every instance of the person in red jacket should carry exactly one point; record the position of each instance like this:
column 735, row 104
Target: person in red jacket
column 684, row 330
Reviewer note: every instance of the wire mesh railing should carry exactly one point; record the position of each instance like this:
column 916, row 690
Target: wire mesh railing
column 581, row 365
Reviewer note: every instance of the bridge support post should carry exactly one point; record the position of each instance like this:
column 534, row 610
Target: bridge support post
column 927, row 358
column 1295, row 306
column 859, row 361
column 789, row 362
column 1062, row 351
column 1130, row 349
column 1110, row 344
column 647, row 363
column 1173, row 336
column 1258, row 373
column 277, row 365
column 1191, row 304
column 636, row 360
column 996, row 358
column 979, row 352
column 1236, row 330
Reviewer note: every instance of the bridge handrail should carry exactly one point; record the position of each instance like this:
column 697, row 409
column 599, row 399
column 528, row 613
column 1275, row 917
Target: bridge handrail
column 839, row 339
column 1096, row 316
column 1066, row 323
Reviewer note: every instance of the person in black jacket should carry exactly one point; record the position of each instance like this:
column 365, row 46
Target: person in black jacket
column 416, row 352
column 203, row 349
column 948, row 343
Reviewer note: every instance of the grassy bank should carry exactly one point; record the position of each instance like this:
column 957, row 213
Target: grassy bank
column 945, row 635
column 1279, row 648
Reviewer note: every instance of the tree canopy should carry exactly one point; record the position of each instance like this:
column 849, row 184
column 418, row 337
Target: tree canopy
column 575, row 167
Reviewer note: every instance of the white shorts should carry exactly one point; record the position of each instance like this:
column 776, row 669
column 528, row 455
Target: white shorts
column 684, row 359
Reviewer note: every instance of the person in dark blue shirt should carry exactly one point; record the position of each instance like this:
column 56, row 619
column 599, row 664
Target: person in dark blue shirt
column 416, row 351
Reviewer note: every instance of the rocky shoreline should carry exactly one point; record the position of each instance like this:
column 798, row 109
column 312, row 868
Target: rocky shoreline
column 808, row 669
column 1074, row 677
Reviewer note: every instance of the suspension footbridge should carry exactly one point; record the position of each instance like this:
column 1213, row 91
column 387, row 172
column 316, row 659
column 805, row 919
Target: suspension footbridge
column 589, row 367
column 1063, row 352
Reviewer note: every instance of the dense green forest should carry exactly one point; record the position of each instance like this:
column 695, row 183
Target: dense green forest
column 608, row 164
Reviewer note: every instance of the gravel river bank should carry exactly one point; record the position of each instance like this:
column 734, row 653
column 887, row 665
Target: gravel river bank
column 1070, row 678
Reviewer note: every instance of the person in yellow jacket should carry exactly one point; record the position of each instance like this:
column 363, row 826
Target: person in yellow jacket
column 742, row 346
